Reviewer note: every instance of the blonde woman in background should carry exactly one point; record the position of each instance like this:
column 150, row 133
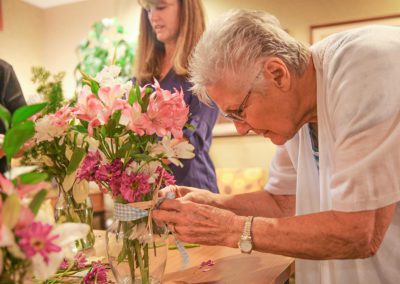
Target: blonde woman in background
column 169, row 30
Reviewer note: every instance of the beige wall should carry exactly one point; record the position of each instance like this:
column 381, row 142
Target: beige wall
column 49, row 37
column 65, row 27
column 32, row 36
column 242, row 152
column 21, row 41
column 298, row 15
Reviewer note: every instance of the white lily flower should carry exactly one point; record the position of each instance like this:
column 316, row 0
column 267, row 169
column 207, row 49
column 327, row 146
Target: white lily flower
column 68, row 233
column 173, row 149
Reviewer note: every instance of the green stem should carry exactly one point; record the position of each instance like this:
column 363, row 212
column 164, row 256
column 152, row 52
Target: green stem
column 131, row 259
column 144, row 271
column 130, row 253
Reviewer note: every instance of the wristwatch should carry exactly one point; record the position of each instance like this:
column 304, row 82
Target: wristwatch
column 246, row 244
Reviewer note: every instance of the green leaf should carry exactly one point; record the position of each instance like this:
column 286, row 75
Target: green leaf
column 32, row 178
column 122, row 254
column 11, row 210
column 76, row 159
column 190, row 127
column 16, row 137
column 132, row 96
column 25, row 112
column 5, row 116
column 138, row 95
column 95, row 87
column 143, row 157
column 37, row 201
column 80, row 129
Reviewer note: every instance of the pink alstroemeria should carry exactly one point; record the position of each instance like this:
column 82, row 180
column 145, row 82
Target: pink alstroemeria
column 62, row 116
column 166, row 113
column 8, row 187
column 25, row 219
column 90, row 109
column 133, row 118
column 36, row 239
column 112, row 99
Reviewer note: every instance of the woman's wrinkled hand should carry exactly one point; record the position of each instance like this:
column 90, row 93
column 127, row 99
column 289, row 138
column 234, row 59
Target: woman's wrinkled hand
column 193, row 194
column 199, row 223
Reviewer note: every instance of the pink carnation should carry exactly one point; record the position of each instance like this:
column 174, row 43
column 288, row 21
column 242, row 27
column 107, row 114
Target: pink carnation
column 134, row 186
column 110, row 174
column 89, row 166
column 97, row 274
column 166, row 177
column 80, row 260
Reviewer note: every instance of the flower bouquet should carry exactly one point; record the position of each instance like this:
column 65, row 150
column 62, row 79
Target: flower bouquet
column 139, row 131
column 58, row 150
column 29, row 245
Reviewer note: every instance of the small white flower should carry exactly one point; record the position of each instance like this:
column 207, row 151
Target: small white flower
column 173, row 150
column 47, row 131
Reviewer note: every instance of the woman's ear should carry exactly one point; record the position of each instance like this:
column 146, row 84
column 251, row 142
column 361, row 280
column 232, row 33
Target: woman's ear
column 275, row 71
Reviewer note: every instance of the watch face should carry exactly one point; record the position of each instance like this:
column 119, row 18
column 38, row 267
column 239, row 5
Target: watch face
column 245, row 246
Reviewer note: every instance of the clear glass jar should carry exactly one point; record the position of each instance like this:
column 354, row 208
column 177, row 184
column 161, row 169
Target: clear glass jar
column 135, row 254
column 68, row 210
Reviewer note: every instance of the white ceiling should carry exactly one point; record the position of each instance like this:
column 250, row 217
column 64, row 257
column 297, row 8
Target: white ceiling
column 44, row 4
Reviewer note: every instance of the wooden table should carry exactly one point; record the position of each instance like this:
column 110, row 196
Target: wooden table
column 230, row 267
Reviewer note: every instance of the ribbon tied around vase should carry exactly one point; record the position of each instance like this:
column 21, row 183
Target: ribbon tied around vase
column 138, row 210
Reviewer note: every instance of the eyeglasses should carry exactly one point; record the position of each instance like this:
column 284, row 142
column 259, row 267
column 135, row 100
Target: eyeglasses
column 237, row 115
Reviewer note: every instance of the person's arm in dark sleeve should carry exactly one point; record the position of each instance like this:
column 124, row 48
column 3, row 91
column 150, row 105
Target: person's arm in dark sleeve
column 10, row 92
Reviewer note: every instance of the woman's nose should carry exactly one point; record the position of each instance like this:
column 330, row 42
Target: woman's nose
column 152, row 14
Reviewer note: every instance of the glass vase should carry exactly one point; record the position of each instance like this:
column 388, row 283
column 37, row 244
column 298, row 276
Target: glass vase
column 68, row 210
column 136, row 253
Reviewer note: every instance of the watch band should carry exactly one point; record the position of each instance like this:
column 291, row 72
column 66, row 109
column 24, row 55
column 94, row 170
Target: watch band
column 245, row 243
column 247, row 227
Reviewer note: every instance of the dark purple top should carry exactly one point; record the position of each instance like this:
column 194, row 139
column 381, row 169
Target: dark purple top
column 199, row 171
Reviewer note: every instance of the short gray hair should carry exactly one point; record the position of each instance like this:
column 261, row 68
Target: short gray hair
column 237, row 42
